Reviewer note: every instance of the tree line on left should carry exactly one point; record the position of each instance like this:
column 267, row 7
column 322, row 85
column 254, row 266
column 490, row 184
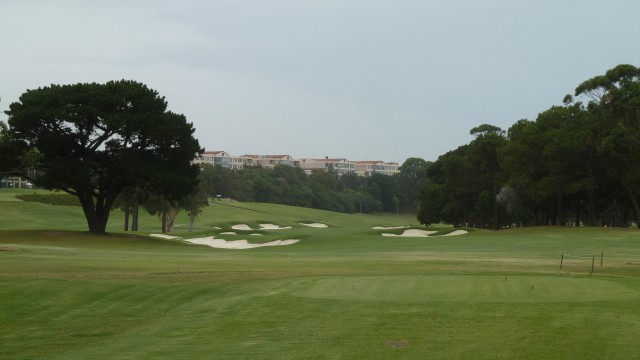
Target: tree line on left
column 116, row 146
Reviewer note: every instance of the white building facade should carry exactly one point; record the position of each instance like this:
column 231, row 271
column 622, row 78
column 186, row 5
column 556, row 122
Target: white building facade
column 340, row 166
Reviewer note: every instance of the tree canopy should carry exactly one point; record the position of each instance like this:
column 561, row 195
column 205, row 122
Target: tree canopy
column 320, row 189
column 575, row 164
column 94, row 140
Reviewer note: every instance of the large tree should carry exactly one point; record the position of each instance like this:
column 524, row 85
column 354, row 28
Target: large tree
column 94, row 140
column 614, row 99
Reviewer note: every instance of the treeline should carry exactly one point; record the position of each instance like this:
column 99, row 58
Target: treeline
column 325, row 190
column 575, row 164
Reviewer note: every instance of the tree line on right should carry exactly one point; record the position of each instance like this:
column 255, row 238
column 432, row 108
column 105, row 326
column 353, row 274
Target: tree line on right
column 577, row 164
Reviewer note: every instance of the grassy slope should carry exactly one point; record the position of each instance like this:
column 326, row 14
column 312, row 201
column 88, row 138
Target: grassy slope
column 342, row 292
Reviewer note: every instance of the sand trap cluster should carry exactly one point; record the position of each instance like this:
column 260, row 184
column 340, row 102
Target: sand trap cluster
column 164, row 236
column 315, row 225
column 237, row 244
column 425, row 233
column 224, row 244
column 246, row 227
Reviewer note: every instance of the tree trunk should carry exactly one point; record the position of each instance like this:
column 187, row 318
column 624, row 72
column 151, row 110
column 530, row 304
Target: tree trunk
column 559, row 210
column 591, row 212
column 192, row 219
column 171, row 220
column 164, row 221
column 634, row 201
column 96, row 213
column 126, row 219
column 136, row 210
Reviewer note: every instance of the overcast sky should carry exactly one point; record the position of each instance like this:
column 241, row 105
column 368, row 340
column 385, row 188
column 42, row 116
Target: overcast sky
column 361, row 79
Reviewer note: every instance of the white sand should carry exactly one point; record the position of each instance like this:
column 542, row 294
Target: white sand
column 163, row 236
column 246, row 227
column 228, row 233
column 237, row 244
column 425, row 233
column 255, row 234
column 413, row 233
column 273, row 227
column 241, row 227
column 388, row 227
column 316, row 225
column 456, row 233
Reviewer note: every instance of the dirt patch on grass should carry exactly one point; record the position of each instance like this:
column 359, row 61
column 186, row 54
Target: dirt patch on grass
column 8, row 248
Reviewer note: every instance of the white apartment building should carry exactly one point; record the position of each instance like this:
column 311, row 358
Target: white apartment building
column 223, row 159
column 368, row 168
column 340, row 165
column 269, row 161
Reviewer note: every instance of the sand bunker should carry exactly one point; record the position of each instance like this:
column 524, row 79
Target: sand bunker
column 246, row 227
column 413, row 233
column 273, row 227
column 388, row 227
column 237, row 244
column 316, row 225
column 163, row 236
column 425, row 233
column 241, row 227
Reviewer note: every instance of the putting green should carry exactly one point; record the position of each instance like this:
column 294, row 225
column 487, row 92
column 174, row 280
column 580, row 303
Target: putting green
column 468, row 288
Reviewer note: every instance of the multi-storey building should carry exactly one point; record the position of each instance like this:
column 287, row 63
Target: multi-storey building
column 223, row 159
column 368, row 168
column 269, row 161
column 341, row 166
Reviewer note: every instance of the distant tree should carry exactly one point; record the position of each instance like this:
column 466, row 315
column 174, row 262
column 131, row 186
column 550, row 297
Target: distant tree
column 396, row 203
column 11, row 152
column 523, row 161
column 166, row 210
column 95, row 140
column 615, row 102
column 410, row 181
column 414, row 168
column 484, row 156
column 382, row 187
column 199, row 197
column 452, row 190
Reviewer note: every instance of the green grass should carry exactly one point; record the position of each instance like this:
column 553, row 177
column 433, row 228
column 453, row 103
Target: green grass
column 343, row 292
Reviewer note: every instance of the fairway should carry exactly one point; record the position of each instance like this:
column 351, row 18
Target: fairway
column 468, row 288
column 343, row 291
